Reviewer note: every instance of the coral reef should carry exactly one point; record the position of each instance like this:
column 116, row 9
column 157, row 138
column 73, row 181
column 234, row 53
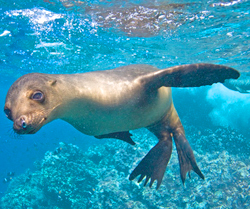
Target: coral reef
column 98, row 178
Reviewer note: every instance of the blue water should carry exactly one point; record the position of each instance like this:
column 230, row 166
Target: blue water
column 73, row 37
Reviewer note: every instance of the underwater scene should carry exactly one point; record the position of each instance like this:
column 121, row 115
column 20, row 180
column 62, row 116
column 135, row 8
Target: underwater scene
column 59, row 167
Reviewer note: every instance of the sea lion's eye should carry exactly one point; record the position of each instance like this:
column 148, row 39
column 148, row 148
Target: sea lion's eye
column 38, row 96
column 7, row 113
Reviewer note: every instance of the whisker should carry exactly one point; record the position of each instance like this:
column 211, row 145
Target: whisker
column 17, row 136
column 9, row 130
column 55, row 107
column 13, row 135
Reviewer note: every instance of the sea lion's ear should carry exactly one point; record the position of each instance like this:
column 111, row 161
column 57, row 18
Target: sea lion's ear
column 52, row 82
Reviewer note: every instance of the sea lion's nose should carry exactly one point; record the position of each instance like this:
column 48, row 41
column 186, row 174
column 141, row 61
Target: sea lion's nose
column 20, row 124
column 24, row 124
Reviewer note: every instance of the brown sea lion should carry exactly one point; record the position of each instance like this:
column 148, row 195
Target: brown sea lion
column 107, row 104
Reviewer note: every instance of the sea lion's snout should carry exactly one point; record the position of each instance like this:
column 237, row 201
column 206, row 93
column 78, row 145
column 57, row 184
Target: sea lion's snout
column 21, row 125
column 28, row 124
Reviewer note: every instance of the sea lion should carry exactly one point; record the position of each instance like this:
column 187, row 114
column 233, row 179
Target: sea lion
column 241, row 85
column 107, row 104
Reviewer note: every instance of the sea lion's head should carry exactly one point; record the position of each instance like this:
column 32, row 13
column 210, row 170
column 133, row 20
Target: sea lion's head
column 30, row 102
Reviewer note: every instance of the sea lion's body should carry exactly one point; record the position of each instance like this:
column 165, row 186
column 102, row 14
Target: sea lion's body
column 110, row 103
column 111, row 110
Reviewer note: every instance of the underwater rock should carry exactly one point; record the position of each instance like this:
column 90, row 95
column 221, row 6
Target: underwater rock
column 70, row 178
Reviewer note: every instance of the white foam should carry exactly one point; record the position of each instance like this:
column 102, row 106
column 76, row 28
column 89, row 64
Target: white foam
column 36, row 15
column 5, row 33
column 227, row 4
column 48, row 45
column 230, row 108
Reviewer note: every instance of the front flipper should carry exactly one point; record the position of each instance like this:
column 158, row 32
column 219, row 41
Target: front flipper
column 185, row 155
column 124, row 136
column 154, row 164
column 193, row 75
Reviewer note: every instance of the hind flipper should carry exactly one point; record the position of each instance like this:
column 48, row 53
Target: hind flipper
column 186, row 157
column 124, row 136
column 154, row 164
column 193, row 75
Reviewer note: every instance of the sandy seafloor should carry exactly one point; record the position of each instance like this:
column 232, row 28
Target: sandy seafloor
column 59, row 167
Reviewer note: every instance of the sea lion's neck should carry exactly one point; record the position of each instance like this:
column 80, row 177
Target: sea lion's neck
column 72, row 90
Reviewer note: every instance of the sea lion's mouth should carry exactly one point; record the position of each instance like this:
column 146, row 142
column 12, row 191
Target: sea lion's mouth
column 25, row 131
column 32, row 131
